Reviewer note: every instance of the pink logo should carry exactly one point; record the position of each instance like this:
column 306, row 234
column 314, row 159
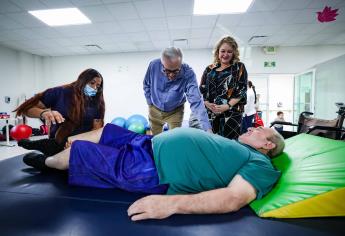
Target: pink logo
column 327, row 14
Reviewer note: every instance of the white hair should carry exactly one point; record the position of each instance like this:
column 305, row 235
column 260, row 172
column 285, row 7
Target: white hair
column 172, row 54
column 278, row 140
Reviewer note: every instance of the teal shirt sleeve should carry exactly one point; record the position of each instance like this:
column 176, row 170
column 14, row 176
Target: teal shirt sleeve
column 260, row 173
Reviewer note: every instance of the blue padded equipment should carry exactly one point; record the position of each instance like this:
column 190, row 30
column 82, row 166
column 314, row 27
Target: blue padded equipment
column 34, row 203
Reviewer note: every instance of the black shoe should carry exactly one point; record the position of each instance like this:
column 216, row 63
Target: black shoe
column 48, row 147
column 36, row 160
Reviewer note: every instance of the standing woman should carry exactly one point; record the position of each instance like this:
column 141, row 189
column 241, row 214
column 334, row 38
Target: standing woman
column 224, row 87
column 249, row 108
column 68, row 110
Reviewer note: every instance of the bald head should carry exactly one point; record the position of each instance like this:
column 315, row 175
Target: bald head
column 265, row 140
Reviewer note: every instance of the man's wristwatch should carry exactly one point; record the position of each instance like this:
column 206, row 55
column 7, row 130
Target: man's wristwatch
column 229, row 106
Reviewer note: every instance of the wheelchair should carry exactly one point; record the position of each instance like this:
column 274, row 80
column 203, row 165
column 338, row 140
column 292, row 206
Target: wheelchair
column 332, row 129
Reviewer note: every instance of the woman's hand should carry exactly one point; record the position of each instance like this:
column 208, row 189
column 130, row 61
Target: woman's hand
column 52, row 117
column 68, row 143
column 219, row 109
column 210, row 106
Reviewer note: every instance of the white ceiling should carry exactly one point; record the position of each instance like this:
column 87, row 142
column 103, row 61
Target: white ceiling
column 147, row 25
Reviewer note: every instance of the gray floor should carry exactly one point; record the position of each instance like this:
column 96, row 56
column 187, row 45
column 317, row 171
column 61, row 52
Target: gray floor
column 8, row 152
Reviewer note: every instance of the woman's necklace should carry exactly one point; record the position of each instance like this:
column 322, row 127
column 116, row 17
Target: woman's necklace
column 222, row 67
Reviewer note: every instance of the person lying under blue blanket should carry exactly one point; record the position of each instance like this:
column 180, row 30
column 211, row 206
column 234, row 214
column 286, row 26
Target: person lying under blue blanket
column 188, row 171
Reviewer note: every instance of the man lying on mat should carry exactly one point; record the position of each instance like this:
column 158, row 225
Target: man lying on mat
column 200, row 172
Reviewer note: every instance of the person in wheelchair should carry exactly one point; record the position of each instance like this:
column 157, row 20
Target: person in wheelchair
column 320, row 127
column 280, row 117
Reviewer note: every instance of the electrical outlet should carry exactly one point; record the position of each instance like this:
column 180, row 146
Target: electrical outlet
column 7, row 99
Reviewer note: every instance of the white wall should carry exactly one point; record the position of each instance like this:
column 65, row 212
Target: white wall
column 123, row 77
column 20, row 76
column 123, row 73
column 291, row 60
column 329, row 87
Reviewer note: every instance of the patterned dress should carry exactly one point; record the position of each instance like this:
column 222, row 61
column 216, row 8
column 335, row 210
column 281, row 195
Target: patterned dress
column 219, row 87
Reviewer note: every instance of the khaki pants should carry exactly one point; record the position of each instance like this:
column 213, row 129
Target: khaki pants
column 158, row 118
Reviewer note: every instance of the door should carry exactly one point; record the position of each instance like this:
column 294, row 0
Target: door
column 260, row 81
column 303, row 93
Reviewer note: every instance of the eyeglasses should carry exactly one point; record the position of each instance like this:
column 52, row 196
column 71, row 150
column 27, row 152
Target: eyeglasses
column 171, row 72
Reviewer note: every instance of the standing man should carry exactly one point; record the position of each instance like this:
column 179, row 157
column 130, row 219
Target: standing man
column 167, row 84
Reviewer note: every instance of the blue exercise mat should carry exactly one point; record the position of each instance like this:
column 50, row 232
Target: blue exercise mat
column 32, row 203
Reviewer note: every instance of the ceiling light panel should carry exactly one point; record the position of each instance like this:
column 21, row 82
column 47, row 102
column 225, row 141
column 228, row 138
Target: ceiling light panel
column 61, row 17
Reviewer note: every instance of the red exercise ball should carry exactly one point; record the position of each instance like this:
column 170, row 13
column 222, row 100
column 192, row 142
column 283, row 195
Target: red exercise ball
column 44, row 129
column 20, row 132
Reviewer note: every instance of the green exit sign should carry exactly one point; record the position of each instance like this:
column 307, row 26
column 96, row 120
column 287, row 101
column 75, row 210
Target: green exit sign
column 269, row 64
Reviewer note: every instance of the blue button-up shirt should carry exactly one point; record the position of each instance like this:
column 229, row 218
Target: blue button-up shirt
column 167, row 94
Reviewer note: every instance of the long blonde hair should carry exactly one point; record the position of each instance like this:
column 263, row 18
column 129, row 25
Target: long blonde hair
column 232, row 42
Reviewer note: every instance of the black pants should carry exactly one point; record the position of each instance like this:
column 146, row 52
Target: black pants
column 227, row 125
column 247, row 122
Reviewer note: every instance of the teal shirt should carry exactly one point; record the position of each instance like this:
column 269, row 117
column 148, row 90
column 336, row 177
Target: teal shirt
column 192, row 161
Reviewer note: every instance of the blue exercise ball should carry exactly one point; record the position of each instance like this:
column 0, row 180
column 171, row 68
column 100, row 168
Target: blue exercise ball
column 119, row 121
column 137, row 119
column 137, row 127
column 148, row 126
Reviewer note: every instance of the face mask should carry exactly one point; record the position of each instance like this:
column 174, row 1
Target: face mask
column 89, row 91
